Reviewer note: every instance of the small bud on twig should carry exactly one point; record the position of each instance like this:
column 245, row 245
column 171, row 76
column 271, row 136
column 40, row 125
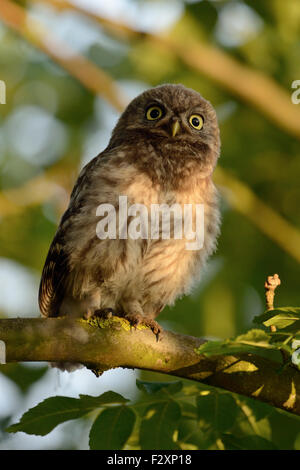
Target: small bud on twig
column 270, row 285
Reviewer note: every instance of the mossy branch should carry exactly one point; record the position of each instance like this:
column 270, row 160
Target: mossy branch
column 113, row 343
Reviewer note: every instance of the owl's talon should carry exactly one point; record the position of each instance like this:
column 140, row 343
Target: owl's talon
column 104, row 313
column 155, row 327
column 88, row 314
column 136, row 319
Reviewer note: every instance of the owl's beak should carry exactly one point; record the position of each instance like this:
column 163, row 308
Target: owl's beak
column 175, row 128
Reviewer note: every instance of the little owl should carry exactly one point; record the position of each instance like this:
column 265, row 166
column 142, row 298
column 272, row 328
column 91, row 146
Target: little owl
column 163, row 150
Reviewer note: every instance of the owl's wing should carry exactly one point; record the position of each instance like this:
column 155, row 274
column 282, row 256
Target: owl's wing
column 56, row 269
column 54, row 276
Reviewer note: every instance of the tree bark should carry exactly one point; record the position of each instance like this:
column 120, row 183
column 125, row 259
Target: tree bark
column 106, row 344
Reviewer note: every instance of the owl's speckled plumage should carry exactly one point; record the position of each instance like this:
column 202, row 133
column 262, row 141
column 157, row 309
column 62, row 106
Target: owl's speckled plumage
column 145, row 162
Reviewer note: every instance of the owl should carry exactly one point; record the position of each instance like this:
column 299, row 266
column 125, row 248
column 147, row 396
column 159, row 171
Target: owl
column 163, row 150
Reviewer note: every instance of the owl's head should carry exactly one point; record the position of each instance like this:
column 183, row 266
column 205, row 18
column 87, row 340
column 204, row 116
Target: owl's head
column 172, row 117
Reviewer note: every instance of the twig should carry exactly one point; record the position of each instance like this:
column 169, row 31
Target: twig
column 270, row 286
column 241, row 197
column 34, row 31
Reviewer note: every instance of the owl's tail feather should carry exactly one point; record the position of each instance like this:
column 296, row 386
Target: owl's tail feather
column 67, row 366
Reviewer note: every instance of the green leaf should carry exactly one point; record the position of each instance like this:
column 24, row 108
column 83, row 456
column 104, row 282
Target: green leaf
column 112, row 428
column 44, row 417
column 191, row 433
column 158, row 426
column 48, row 414
column 218, row 410
column 246, row 443
column 259, row 410
column 23, row 376
column 280, row 317
column 3, row 424
column 153, row 387
column 250, row 341
column 106, row 398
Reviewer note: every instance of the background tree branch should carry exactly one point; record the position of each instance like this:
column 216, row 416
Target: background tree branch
column 112, row 343
column 88, row 74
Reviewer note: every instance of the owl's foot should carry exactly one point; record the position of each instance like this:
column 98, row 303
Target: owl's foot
column 136, row 319
column 104, row 313
column 155, row 327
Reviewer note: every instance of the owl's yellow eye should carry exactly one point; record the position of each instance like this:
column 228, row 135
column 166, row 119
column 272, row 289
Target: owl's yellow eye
column 196, row 121
column 153, row 113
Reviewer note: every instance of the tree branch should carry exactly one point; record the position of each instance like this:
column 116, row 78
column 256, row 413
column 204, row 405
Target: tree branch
column 112, row 343
column 243, row 199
